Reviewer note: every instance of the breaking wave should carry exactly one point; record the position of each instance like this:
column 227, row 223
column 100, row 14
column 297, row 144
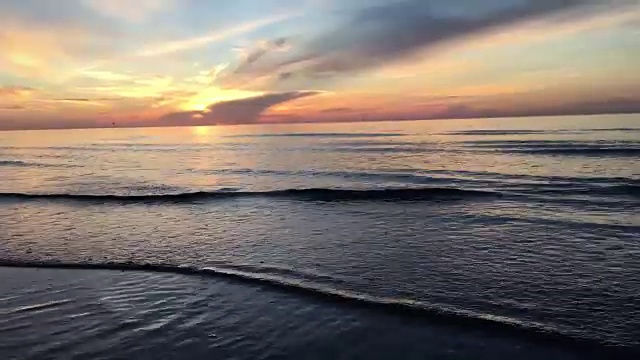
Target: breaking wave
column 312, row 194
column 19, row 163
column 304, row 284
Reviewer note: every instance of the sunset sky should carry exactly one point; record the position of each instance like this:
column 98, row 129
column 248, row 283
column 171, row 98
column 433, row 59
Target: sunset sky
column 88, row 63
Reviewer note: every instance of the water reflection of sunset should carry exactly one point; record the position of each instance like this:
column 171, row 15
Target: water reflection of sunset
column 201, row 131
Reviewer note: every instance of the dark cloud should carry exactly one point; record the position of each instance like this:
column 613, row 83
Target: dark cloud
column 253, row 55
column 243, row 111
column 285, row 75
column 385, row 33
column 74, row 100
column 12, row 107
column 48, row 122
column 613, row 105
column 469, row 107
column 378, row 35
column 89, row 99
column 457, row 111
column 336, row 110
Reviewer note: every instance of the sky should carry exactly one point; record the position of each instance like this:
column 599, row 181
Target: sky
column 94, row 63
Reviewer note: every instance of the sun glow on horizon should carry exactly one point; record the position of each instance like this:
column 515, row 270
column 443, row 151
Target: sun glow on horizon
column 213, row 95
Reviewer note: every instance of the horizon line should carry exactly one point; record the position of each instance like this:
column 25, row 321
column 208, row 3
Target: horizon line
column 498, row 117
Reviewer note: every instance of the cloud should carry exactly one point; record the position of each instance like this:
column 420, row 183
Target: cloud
column 207, row 39
column 147, row 86
column 611, row 105
column 336, row 110
column 74, row 100
column 243, row 111
column 105, row 75
column 252, row 56
column 207, row 77
column 78, row 101
column 383, row 34
column 134, row 11
column 16, row 92
column 50, row 37
column 12, row 107
column 51, row 14
column 88, row 100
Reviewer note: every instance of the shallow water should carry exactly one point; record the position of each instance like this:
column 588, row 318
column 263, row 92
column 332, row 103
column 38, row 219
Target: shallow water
column 524, row 228
column 144, row 315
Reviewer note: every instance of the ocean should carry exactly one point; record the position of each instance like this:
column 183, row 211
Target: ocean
column 457, row 239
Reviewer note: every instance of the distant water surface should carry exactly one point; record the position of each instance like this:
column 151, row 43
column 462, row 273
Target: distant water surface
column 517, row 237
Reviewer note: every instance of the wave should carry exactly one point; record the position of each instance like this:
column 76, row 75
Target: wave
column 550, row 143
column 441, row 313
column 398, row 176
column 20, row 163
column 110, row 147
column 311, row 194
column 532, row 177
column 323, row 135
column 609, row 196
column 13, row 163
column 581, row 151
column 612, row 129
column 626, row 189
column 496, row 132
column 631, row 189
column 37, row 307
column 386, row 149
column 534, row 132
column 560, row 147
column 621, row 149
column 466, row 179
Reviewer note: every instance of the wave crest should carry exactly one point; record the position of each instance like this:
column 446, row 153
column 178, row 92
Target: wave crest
column 300, row 285
column 20, row 163
column 311, row 194
column 306, row 285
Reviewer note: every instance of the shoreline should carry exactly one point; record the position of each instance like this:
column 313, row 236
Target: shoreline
column 533, row 337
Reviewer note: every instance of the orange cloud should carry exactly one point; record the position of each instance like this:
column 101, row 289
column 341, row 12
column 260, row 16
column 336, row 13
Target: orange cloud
column 54, row 52
column 16, row 92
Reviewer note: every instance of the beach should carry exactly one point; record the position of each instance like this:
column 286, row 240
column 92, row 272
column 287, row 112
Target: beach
column 101, row 314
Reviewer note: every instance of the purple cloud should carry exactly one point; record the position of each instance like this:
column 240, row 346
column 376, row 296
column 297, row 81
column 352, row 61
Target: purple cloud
column 243, row 111
column 377, row 35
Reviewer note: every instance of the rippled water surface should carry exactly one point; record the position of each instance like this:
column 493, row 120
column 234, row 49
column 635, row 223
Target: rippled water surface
column 514, row 237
